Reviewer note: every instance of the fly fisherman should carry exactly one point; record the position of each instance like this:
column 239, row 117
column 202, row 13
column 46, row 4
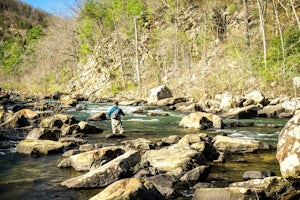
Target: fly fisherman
column 115, row 116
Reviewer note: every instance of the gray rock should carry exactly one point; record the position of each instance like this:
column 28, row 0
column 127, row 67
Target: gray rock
column 288, row 149
column 98, row 117
column 86, row 128
column 129, row 189
column 138, row 144
column 255, row 96
column 173, row 157
column 106, row 174
column 172, row 139
column 201, row 120
column 198, row 174
column 44, row 134
column 32, row 146
column 257, row 175
column 92, row 159
column 156, row 94
column 56, row 121
column 241, row 113
column 164, row 184
column 237, row 145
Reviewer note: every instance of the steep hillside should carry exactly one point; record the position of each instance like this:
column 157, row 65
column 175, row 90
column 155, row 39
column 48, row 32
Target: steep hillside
column 38, row 51
column 20, row 27
column 197, row 48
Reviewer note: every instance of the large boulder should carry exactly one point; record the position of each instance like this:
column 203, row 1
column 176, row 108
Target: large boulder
column 198, row 174
column 57, row 120
column 44, row 134
column 288, row 148
column 170, row 101
column 241, row 113
column 67, row 101
column 32, row 146
column 255, row 97
column 156, row 94
column 84, row 127
column 188, row 107
column 4, row 98
column 112, row 171
column 98, row 117
column 164, row 183
column 201, row 120
column 95, row 158
column 226, row 101
column 138, row 144
column 28, row 113
column 14, row 120
column 291, row 105
column 237, row 145
column 271, row 111
column 174, row 157
column 129, row 189
column 268, row 188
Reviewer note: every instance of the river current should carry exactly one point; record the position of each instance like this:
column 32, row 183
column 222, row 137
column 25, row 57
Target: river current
column 24, row 177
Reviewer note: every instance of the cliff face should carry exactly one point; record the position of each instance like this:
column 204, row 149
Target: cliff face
column 189, row 55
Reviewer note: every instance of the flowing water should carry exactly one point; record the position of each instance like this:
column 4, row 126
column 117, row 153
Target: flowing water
column 24, row 177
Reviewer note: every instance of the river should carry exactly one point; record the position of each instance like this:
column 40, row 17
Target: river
column 24, row 177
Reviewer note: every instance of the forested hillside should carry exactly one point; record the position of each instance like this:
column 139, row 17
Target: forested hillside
column 20, row 26
column 197, row 48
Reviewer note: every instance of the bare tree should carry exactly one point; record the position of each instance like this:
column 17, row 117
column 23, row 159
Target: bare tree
column 295, row 12
column 137, row 67
column 246, row 16
column 262, row 28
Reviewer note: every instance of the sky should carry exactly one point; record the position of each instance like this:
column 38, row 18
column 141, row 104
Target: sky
column 56, row 7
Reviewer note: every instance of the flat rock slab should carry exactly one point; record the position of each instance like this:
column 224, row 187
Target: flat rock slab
column 33, row 146
column 106, row 174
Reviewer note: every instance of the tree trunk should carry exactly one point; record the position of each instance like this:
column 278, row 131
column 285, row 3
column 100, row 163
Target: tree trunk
column 281, row 40
column 246, row 16
column 119, row 48
column 137, row 67
column 262, row 27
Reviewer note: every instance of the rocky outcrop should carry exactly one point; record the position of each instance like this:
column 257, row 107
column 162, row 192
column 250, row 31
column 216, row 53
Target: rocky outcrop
column 129, row 189
column 106, row 174
column 288, row 148
column 201, row 120
column 32, row 146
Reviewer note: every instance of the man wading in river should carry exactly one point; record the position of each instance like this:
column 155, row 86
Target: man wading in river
column 115, row 116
